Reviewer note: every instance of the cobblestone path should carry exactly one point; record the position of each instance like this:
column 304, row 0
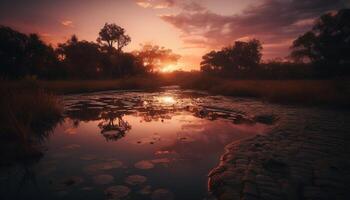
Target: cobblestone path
column 306, row 156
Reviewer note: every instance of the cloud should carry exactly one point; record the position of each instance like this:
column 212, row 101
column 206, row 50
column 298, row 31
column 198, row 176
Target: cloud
column 157, row 4
column 67, row 23
column 191, row 6
column 275, row 22
column 186, row 5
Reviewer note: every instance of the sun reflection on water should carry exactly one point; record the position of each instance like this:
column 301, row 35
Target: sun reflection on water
column 167, row 99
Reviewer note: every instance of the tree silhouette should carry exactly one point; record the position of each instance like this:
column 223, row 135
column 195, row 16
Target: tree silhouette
column 111, row 34
column 155, row 57
column 81, row 58
column 113, row 127
column 22, row 54
column 328, row 43
column 240, row 58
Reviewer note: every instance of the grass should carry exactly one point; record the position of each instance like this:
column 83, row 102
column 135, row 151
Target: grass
column 27, row 117
column 81, row 86
column 303, row 92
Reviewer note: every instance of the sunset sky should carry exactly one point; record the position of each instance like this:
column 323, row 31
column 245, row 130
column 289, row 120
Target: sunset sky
column 189, row 27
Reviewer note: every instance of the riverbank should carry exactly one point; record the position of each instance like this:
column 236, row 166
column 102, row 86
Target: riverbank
column 27, row 118
column 83, row 86
column 307, row 159
column 333, row 93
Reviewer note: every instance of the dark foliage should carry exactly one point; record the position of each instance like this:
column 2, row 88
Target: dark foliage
column 235, row 61
column 81, row 59
column 327, row 45
column 112, row 33
column 22, row 55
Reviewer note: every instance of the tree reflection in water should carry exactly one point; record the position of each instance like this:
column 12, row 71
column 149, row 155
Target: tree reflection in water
column 20, row 158
column 112, row 126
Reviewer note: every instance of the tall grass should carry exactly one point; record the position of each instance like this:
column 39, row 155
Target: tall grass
column 80, row 86
column 306, row 92
column 27, row 116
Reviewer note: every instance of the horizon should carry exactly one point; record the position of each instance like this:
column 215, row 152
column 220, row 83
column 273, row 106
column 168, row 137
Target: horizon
column 174, row 99
column 189, row 28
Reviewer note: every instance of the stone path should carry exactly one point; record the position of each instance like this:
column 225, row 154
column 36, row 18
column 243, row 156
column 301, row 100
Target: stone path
column 307, row 158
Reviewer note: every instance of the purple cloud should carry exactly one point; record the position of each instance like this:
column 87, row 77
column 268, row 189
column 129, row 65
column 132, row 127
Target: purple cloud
column 275, row 22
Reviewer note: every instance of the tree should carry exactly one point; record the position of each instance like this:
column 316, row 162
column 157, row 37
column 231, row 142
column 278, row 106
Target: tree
column 215, row 61
column 22, row 54
column 155, row 57
column 111, row 34
column 82, row 59
column 328, row 43
column 239, row 58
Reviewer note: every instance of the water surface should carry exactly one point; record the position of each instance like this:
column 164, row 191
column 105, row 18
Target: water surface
column 136, row 145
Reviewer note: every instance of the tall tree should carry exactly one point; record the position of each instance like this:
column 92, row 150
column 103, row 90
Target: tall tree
column 328, row 43
column 111, row 34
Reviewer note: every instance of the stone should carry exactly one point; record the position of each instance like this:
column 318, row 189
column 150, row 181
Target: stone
column 117, row 192
column 162, row 194
column 135, row 180
column 250, row 189
column 103, row 179
column 144, row 164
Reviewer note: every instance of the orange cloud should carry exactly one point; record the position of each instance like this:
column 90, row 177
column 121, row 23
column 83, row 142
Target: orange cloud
column 157, row 4
column 67, row 23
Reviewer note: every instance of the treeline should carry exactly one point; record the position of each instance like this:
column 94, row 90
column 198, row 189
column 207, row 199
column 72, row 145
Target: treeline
column 24, row 55
column 322, row 52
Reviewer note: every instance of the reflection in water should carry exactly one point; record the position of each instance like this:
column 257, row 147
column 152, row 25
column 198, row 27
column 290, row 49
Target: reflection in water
column 170, row 139
column 167, row 100
column 19, row 158
column 112, row 126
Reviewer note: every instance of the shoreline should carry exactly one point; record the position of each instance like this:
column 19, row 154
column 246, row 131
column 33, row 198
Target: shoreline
column 285, row 164
column 305, row 93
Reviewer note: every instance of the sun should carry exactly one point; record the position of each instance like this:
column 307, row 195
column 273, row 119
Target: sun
column 168, row 68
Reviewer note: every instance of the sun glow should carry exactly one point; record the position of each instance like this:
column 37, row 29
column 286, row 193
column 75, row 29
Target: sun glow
column 167, row 99
column 168, row 68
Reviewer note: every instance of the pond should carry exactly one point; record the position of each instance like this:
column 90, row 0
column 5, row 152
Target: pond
column 137, row 145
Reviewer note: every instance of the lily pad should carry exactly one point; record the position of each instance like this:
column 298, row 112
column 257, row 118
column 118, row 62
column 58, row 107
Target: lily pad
column 160, row 160
column 68, row 182
column 72, row 181
column 103, row 179
column 88, row 157
column 162, row 194
column 146, row 190
column 72, row 146
column 87, row 188
column 117, row 192
column 144, row 164
column 103, row 166
column 135, row 180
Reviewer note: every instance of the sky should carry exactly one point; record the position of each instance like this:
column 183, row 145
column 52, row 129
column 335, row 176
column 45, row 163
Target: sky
column 190, row 28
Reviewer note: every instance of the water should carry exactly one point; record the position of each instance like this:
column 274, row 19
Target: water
column 136, row 145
